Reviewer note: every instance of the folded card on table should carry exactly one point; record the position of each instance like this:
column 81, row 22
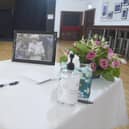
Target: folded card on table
column 39, row 76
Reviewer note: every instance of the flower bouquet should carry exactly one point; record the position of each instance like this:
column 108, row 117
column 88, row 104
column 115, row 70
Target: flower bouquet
column 97, row 52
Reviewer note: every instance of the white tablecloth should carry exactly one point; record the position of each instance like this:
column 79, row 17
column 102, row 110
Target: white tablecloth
column 31, row 106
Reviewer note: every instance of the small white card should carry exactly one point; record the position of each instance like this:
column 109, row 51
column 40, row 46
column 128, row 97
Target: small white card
column 50, row 16
column 39, row 76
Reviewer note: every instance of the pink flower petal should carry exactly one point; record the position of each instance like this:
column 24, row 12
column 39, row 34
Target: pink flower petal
column 104, row 63
column 91, row 55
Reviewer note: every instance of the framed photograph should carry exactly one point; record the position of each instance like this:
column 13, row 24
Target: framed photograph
column 117, row 8
column 110, row 15
column 34, row 47
column 104, row 10
column 124, row 15
column 125, row 3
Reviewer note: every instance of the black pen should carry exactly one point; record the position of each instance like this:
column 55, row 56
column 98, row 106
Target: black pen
column 10, row 84
column 45, row 81
column 85, row 101
column 42, row 82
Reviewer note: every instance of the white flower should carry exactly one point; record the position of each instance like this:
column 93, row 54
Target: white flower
column 95, row 36
column 106, row 46
column 74, row 44
column 123, row 61
column 83, row 38
column 103, row 39
column 92, row 41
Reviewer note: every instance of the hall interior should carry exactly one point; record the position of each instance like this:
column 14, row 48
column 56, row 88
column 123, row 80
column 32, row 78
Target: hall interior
column 71, row 19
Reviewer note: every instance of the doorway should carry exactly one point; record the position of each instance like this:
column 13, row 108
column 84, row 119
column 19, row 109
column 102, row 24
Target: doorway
column 71, row 25
column 89, row 18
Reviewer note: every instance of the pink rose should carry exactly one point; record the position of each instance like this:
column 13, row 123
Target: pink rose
column 91, row 55
column 115, row 64
column 104, row 63
column 93, row 66
column 110, row 53
column 98, row 42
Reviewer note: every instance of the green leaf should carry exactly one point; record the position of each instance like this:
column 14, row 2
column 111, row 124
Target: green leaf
column 83, row 48
column 63, row 59
column 75, row 50
column 81, row 51
column 108, row 75
column 116, row 72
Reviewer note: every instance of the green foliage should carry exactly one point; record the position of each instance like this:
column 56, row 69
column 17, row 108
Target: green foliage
column 63, row 59
column 116, row 72
column 85, row 46
column 108, row 75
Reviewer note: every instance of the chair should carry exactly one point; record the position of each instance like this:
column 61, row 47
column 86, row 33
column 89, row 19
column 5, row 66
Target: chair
column 127, row 50
column 115, row 41
column 112, row 38
column 119, row 45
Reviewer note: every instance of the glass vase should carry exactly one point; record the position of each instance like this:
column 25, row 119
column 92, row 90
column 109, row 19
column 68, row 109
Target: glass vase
column 85, row 81
column 68, row 88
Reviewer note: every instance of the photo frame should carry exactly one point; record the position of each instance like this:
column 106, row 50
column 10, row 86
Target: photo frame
column 124, row 14
column 34, row 47
column 104, row 10
column 110, row 15
column 117, row 8
column 125, row 3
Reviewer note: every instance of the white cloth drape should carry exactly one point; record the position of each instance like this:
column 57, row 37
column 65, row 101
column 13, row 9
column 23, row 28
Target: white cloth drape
column 31, row 106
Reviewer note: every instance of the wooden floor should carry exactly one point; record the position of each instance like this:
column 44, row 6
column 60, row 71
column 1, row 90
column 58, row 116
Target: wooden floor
column 6, row 53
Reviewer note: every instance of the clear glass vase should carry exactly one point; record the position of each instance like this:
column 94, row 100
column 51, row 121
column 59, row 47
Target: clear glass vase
column 68, row 86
